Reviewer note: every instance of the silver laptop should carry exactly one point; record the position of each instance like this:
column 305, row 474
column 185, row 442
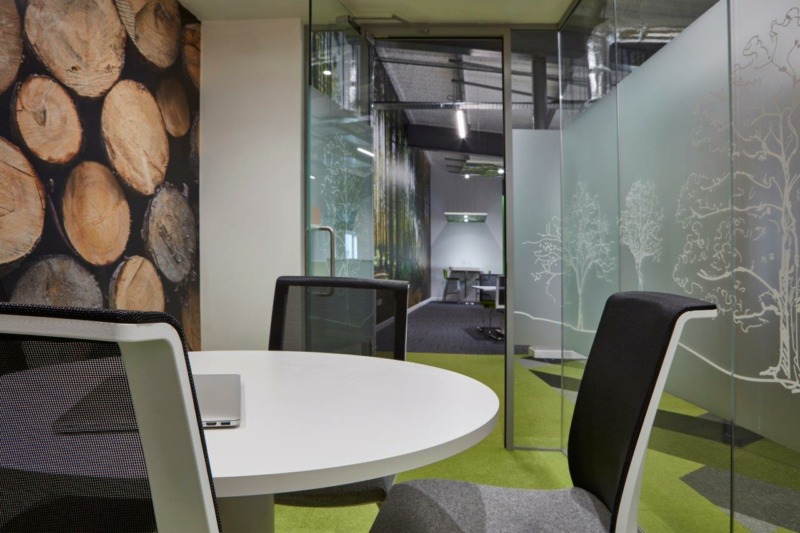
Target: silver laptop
column 220, row 399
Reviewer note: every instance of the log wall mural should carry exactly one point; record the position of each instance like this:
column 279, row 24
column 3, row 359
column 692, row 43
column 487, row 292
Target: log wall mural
column 99, row 124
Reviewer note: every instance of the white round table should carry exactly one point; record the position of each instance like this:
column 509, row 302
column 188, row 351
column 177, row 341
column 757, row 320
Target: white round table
column 313, row 420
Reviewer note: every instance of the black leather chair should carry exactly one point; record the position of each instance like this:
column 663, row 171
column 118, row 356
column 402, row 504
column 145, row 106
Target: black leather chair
column 340, row 315
column 101, row 428
column 617, row 401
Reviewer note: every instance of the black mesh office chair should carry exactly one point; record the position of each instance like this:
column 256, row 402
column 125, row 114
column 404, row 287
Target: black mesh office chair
column 340, row 315
column 617, row 401
column 490, row 299
column 452, row 285
column 100, row 424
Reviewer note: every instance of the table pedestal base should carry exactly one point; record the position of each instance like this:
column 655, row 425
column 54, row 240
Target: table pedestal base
column 247, row 514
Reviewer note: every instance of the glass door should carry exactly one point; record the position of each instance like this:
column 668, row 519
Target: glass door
column 339, row 165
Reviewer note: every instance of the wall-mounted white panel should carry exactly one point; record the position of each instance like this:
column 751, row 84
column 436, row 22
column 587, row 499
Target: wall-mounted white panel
column 251, row 230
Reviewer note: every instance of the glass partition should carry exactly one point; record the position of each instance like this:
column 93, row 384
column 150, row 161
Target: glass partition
column 536, row 218
column 680, row 130
column 589, row 184
column 765, row 211
column 339, row 161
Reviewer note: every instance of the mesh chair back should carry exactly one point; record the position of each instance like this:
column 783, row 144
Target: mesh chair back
column 71, row 457
column 617, row 387
column 487, row 280
column 340, row 315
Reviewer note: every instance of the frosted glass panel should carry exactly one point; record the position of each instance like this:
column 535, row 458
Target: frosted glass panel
column 675, row 233
column 766, row 201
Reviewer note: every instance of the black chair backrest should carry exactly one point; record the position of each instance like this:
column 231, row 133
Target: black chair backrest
column 618, row 382
column 487, row 280
column 340, row 315
column 71, row 458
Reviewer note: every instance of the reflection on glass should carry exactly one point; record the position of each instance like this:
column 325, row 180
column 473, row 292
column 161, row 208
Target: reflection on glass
column 340, row 185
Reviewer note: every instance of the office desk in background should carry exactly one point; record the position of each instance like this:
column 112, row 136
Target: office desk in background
column 314, row 420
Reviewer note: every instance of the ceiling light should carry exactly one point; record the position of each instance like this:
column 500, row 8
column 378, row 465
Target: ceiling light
column 501, row 171
column 466, row 176
column 327, row 72
column 365, row 152
column 461, row 123
column 312, row 177
column 465, row 217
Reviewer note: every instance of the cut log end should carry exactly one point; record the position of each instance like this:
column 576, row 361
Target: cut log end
column 10, row 43
column 174, row 107
column 81, row 42
column 57, row 280
column 22, row 205
column 190, row 316
column 191, row 52
column 134, row 136
column 135, row 286
column 170, row 234
column 154, row 26
column 97, row 218
column 47, row 119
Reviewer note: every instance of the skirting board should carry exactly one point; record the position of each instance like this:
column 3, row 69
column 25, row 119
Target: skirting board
column 550, row 353
column 423, row 302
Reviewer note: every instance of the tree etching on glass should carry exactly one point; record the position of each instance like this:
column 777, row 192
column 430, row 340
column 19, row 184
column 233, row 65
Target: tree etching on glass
column 640, row 225
column 586, row 248
column 742, row 249
column 547, row 255
column 343, row 192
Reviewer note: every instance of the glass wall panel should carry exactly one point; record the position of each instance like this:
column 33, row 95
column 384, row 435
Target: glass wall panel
column 536, row 225
column 675, row 236
column 766, row 207
column 589, row 200
column 339, row 172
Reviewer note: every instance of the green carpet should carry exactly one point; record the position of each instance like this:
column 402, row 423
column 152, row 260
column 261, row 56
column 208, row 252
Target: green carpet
column 487, row 462
column 667, row 504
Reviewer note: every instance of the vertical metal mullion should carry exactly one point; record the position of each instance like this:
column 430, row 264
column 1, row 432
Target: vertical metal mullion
column 508, row 239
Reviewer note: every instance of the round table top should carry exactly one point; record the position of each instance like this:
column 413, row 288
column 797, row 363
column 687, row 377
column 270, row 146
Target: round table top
column 312, row 420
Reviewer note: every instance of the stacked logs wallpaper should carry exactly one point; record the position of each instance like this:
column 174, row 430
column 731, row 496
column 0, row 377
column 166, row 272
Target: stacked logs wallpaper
column 99, row 155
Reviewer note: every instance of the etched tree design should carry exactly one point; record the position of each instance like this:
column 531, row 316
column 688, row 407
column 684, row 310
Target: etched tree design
column 585, row 249
column 640, row 225
column 343, row 192
column 547, row 254
column 742, row 252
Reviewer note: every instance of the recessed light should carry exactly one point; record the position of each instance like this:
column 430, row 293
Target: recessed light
column 501, row 171
column 461, row 123
column 466, row 176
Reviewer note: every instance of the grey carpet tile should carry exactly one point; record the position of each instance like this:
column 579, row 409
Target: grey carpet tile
column 450, row 327
column 765, row 502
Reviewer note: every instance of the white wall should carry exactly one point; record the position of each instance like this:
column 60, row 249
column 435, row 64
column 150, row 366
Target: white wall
column 251, row 195
column 476, row 245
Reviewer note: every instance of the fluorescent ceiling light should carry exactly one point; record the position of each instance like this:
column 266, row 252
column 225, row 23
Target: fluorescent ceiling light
column 465, row 217
column 366, row 152
column 461, row 123
column 327, row 72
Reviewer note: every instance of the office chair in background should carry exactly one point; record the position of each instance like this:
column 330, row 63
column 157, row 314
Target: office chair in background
column 452, row 285
column 614, row 412
column 340, row 315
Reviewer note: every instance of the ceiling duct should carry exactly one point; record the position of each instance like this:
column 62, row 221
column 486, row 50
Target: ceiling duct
column 636, row 22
